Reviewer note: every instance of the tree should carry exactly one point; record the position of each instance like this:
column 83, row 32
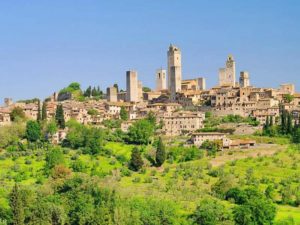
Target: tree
column 146, row 89
column 54, row 157
column 33, row 131
column 123, row 114
column 289, row 124
column 75, row 86
column 59, row 117
column 88, row 92
column 254, row 209
column 151, row 118
column 210, row 212
column 140, row 132
column 296, row 136
column 51, row 128
column 44, row 111
column 16, row 204
column 94, row 92
column 223, row 185
column 288, row 98
column 17, row 113
column 39, row 114
column 136, row 161
column 160, row 153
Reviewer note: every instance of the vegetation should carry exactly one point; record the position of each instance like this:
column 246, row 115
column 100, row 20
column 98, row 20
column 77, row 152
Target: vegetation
column 59, row 117
column 106, row 176
column 17, row 114
column 123, row 114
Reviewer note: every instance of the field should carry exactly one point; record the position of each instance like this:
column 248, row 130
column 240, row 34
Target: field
column 183, row 182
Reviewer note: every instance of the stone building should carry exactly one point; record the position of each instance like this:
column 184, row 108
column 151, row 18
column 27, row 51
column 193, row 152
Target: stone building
column 140, row 91
column 179, row 123
column 227, row 74
column 132, row 93
column 8, row 102
column 174, row 70
column 112, row 94
column 161, row 80
column 199, row 138
column 244, row 79
column 193, row 84
column 287, row 88
column 4, row 117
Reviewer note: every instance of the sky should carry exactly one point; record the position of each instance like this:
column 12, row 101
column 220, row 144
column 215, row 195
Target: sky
column 47, row 44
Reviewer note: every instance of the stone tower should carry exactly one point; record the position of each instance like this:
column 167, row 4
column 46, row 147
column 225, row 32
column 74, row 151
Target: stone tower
column 8, row 102
column 161, row 79
column 244, row 79
column 174, row 70
column 112, row 94
column 227, row 74
column 131, row 86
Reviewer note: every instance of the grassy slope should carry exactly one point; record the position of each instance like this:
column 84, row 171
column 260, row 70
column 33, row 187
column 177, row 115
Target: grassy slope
column 184, row 183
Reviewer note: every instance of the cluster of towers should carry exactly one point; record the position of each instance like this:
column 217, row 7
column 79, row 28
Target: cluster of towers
column 227, row 75
column 171, row 79
column 134, row 86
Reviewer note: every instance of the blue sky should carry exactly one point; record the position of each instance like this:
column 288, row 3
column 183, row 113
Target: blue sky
column 45, row 45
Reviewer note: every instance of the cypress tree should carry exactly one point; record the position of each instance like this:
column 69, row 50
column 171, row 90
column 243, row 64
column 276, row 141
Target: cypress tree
column 44, row 111
column 39, row 115
column 283, row 122
column 160, row 153
column 289, row 128
column 16, row 205
column 59, row 117
column 271, row 121
column 136, row 161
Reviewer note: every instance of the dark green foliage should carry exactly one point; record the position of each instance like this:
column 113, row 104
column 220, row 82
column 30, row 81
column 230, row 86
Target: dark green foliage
column 210, row 212
column 59, row 117
column 16, row 204
column 39, row 114
column 160, row 155
column 17, row 113
column 123, row 114
column 212, row 146
column 296, row 136
column 141, row 132
column 88, row 92
column 90, row 139
column 254, row 208
column 33, row 131
column 44, row 111
column 78, row 166
column 93, row 92
column 136, row 161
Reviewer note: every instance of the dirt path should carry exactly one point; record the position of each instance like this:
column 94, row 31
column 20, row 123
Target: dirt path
column 260, row 150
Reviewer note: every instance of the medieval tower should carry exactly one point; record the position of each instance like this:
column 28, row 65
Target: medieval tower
column 132, row 86
column 227, row 74
column 174, row 70
column 161, row 79
column 244, row 79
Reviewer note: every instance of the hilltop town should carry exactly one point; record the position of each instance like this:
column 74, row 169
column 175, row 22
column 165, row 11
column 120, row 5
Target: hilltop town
column 179, row 105
column 179, row 153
